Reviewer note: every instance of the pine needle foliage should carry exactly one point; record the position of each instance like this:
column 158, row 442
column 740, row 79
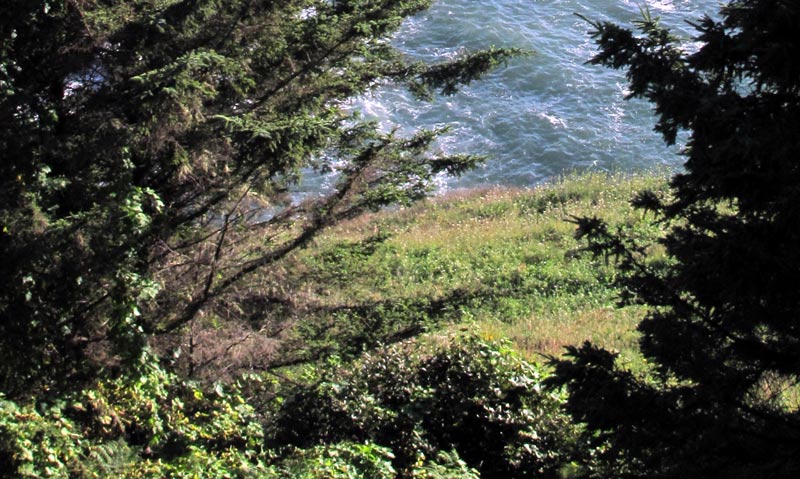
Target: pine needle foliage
column 722, row 331
column 147, row 149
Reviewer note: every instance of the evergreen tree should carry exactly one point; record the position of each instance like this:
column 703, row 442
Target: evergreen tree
column 147, row 147
column 723, row 327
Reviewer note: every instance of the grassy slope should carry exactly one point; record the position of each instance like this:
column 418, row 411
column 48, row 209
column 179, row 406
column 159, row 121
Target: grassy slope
column 501, row 262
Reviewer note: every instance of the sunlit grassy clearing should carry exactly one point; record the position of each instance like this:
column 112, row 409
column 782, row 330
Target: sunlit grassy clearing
column 503, row 262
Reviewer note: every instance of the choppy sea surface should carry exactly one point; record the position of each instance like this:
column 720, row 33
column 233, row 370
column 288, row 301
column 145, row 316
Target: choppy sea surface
column 542, row 115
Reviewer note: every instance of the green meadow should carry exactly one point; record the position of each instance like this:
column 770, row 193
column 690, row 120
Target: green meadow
column 501, row 263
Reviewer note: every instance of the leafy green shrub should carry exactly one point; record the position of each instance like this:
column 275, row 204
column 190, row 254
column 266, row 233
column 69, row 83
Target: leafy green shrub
column 474, row 398
column 150, row 425
column 37, row 443
column 339, row 461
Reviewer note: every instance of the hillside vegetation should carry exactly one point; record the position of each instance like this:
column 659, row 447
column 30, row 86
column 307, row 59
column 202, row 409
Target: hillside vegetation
column 448, row 281
column 501, row 262
column 166, row 311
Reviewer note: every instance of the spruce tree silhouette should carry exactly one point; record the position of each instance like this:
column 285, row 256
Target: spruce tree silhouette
column 723, row 323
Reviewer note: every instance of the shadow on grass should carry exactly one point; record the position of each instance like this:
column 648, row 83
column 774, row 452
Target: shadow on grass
column 349, row 330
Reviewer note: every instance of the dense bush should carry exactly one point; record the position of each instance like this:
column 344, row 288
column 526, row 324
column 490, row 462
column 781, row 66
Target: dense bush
column 474, row 398
column 148, row 425
column 468, row 409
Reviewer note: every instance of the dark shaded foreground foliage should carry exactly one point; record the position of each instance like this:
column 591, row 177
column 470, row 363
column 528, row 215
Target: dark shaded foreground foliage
column 466, row 409
column 476, row 399
column 723, row 328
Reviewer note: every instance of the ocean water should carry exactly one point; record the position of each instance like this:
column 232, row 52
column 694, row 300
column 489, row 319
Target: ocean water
column 539, row 116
